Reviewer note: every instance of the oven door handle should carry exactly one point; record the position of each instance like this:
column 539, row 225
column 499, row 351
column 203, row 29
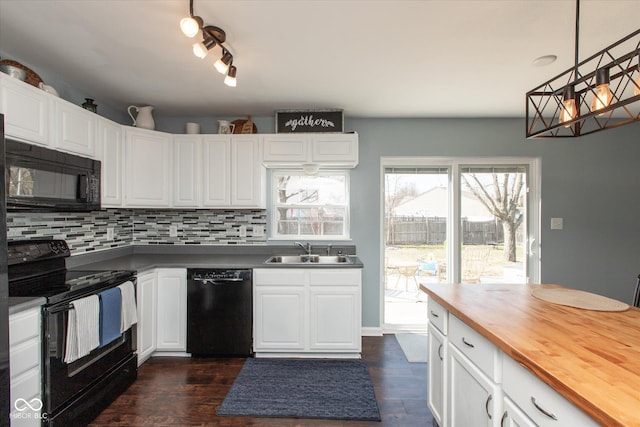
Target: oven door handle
column 219, row 281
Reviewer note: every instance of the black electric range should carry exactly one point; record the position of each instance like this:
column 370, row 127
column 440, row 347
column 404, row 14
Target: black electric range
column 37, row 269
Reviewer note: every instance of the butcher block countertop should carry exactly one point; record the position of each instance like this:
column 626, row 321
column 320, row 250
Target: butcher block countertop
column 590, row 357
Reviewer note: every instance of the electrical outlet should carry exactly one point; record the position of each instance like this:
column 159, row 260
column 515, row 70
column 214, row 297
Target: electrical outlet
column 173, row 230
column 557, row 223
column 242, row 231
column 110, row 234
column 258, row 230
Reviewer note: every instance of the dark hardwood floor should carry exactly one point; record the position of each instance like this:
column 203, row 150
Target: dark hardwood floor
column 174, row 391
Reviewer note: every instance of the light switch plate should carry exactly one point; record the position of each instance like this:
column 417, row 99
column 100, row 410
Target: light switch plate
column 258, row 230
column 556, row 223
column 173, row 230
column 110, row 233
column 242, row 231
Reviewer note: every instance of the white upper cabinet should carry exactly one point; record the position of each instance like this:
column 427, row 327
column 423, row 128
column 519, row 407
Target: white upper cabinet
column 248, row 176
column 187, row 181
column 74, row 128
column 148, row 168
column 218, row 171
column 25, row 109
column 110, row 153
column 325, row 150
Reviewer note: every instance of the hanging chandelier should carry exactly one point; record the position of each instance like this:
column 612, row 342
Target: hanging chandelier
column 212, row 36
column 601, row 92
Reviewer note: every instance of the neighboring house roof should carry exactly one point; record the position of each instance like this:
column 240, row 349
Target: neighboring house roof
column 434, row 202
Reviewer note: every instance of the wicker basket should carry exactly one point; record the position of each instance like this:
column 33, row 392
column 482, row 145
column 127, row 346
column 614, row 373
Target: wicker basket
column 32, row 78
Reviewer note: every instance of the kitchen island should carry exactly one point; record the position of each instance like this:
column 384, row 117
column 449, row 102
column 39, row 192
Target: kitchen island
column 591, row 358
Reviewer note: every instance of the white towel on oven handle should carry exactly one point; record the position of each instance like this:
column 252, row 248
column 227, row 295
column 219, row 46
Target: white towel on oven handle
column 128, row 313
column 83, row 326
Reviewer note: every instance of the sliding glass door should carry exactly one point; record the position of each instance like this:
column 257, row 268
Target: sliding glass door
column 455, row 220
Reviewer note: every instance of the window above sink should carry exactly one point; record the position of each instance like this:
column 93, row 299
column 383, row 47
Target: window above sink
column 311, row 207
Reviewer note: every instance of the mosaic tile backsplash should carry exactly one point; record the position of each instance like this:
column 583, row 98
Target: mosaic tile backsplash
column 90, row 231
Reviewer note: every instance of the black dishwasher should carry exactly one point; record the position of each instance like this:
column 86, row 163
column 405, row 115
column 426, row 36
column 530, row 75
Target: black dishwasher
column 219, row 312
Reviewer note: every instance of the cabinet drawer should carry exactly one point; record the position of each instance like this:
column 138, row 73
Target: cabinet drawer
column 476, row 347
column 536, row 398
column 335, row 277
column 25, row 386
column 24, row 356
column 279, row 276
column 24, row 325
column 438, row 316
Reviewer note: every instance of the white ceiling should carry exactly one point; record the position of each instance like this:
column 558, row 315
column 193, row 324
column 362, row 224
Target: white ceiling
column 372, row 58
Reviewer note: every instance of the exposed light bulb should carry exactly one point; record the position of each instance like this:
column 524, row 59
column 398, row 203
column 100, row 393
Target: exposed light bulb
column 189, row 26
column 222, row 64
column 568, row 110
column 603, row 96
column 230, row 78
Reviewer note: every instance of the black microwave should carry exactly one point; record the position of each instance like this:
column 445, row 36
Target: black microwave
column 48, row 180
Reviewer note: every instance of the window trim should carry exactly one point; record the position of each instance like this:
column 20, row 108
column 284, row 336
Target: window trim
column 273, row 226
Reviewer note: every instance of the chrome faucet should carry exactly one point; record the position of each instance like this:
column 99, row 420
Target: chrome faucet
column 306, row 247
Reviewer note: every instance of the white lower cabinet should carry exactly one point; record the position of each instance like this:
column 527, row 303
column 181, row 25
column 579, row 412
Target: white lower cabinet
column 472, row 383
column 307, row 312
column 147, row 290
column 543, row 405
column 474, row 399
column 512, row 416
column 25, row 367
column 172, row 310
column 437, row 369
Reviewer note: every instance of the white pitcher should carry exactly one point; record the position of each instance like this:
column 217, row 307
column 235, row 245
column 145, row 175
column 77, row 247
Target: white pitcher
column 143, row 118
column 225, row 127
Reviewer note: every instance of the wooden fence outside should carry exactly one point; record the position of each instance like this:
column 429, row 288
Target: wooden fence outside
column 417, row 230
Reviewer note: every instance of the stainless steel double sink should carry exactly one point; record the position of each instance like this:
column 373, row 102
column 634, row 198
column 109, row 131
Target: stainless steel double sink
column 309, row 259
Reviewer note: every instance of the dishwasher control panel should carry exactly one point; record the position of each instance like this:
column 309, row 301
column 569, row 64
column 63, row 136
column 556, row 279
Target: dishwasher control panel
column 219, row 274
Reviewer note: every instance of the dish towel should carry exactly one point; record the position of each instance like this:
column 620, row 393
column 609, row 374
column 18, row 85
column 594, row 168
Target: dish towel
column 128, row 314
column 82, row 328
column 110, row 304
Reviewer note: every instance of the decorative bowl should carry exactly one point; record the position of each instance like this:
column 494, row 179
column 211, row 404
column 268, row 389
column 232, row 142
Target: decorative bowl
column 15, row 72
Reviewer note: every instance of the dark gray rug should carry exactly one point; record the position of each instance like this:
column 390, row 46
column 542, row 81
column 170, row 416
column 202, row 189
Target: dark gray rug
column 302, row 388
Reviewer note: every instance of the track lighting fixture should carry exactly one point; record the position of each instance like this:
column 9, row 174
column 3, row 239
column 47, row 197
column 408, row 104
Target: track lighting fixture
column 598, row 93
column 211, row 36
column 222, row 64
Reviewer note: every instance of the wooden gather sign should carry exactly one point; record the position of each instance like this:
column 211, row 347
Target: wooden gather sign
column 305, row 121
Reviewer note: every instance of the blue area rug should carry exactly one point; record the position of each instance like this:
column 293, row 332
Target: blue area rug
column 302, row 388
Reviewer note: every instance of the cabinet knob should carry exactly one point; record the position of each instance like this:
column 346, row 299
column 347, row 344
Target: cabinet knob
column 486, row 405
column 467, row 343
column 434, row 314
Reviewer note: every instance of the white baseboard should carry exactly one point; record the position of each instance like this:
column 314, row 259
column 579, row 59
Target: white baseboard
column 371, row 331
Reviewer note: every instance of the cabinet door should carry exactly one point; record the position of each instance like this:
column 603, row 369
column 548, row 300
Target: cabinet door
column 172, row 309
column 147, row 168
column 75, row 128
column 25, row 109
column 335, row 309
column 338, row 149
column 473, row 399
column 512, row 416
column 437, row 391
column 282, row 149
column 217, row 170
column 334, row 318
column 147, row 309
column 110, row 142
column 248, row 176
column 279, row 318
column 187, row 176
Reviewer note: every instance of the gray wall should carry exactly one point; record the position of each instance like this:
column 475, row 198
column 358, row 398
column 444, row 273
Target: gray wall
column 592, row 182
